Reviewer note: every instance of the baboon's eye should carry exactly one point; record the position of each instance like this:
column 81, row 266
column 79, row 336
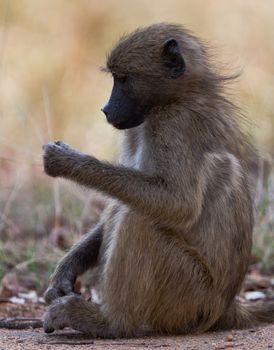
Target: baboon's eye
column 121, row 78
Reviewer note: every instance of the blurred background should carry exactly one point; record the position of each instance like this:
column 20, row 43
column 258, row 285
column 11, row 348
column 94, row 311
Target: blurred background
column 51, row 88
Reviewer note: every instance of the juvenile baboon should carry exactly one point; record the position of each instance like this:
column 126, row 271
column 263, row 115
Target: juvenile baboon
column 173, row 245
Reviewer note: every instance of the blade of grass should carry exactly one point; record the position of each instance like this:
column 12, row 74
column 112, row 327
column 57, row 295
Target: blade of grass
column 56, row 183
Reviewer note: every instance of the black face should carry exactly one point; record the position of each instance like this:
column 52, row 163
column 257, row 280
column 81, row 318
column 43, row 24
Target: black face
column 123, row 110
column 132, row 97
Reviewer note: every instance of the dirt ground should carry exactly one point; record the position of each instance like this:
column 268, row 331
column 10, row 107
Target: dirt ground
column 257, row 338
column 261, row 338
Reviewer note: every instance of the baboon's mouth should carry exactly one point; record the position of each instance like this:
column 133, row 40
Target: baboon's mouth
column 128, row 124
column 116, row 125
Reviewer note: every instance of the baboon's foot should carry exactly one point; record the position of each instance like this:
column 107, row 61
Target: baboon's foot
column 58, row 314
column 75, row 312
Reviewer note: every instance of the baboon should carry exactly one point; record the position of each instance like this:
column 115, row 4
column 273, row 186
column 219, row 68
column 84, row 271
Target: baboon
column 174, row 242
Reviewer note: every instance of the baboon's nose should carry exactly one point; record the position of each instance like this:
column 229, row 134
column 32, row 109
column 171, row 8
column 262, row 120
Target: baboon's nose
column 105, row 110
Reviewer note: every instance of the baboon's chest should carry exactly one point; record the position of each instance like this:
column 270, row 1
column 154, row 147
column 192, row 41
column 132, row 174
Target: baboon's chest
column 141, row 159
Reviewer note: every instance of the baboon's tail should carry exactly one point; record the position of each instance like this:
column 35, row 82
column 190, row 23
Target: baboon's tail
column 241, row 315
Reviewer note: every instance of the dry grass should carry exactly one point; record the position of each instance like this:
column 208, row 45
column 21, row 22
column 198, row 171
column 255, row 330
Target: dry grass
column 51, row 88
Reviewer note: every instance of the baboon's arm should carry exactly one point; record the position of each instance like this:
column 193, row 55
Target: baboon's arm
column 81, row 257
column 147, row 193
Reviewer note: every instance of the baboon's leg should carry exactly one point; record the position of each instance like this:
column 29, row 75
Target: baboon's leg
column 75, row 312
column 81, row 257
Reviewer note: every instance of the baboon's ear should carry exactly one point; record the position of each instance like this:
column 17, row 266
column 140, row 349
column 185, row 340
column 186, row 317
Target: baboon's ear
column 173, row 59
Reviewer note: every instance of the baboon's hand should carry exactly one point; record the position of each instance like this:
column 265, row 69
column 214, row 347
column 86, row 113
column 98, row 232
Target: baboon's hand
column 59, row 158
column 57, row 316
column 59, row 288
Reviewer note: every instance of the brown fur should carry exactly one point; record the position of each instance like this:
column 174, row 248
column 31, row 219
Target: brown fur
column 176, row 237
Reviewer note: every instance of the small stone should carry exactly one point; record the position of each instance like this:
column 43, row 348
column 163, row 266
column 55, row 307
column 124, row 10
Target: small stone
column 252, row 330
column 16, row 300
column 230, row 337
column 31, row 295
column 253, row 296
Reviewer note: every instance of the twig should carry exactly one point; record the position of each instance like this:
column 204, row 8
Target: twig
column 9, row 222
column 57, row 204
column 12, row 195
column 48, row 113
column 136, row 345
column 56, row 184
column 64, row 342
column 20, row 323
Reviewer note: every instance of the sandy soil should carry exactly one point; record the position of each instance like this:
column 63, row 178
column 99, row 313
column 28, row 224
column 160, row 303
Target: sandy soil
column 261, row 338
column 258, row 338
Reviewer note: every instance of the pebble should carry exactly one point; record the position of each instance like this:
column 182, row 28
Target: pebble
column 230, row 337
column 252, row 296
column 252, row 330
column 226, row 345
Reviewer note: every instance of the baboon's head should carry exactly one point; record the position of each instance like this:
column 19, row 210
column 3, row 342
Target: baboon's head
column 150, row 67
